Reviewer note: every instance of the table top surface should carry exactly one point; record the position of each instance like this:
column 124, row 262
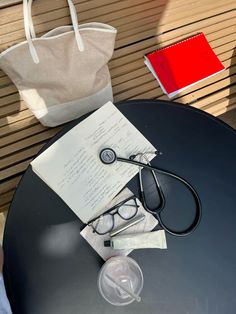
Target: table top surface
column 50, row 268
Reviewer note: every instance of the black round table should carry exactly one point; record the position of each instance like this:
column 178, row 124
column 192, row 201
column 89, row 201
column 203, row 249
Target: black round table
column 51, row 269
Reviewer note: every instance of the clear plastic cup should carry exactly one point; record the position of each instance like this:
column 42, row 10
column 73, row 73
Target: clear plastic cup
column 120, row 280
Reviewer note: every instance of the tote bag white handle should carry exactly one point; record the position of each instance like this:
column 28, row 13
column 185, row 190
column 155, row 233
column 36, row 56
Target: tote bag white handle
column 31, row 26
column 30, row 33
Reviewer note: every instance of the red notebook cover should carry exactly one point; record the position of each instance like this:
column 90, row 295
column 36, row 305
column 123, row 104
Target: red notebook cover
column 183, row 64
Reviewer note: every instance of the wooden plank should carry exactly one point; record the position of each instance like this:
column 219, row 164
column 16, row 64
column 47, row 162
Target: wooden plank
column 14, row 170
column 150, row 23
column 19, row 35
column 24, row 154
column 136, row 51
column 6, row 197
column 219, row 34
column 2, row 73
column 150, row 94
column 9, row 99
column 198, row 94
column 16, row 117
column 169, row 14
column 88, row 9
column 15, row 13
column 208, row 26
column 12, row 108
column 11, row 38
column 143, row 17
column 137, row 72
column 27, row 142
column 45, row 14
column 208, row 11
column 104, row 11
column 134, row 82
column 43, row 6
column 226, row 47
column 10, row 184
column 7, row 3
column 4, row 80
column 203, row 103
column 222, row 105
column 137, row 90
column 11, row 89
column 216, row 39
column 18, row 126
column 4, row 208
column 21, row 134
column 224, row 110
column 120, row 9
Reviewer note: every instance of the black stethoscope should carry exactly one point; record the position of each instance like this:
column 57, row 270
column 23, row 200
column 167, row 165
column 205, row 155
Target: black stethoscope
column 108, row 156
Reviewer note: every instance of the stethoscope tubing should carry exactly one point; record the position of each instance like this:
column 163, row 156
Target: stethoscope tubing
column 198, row 215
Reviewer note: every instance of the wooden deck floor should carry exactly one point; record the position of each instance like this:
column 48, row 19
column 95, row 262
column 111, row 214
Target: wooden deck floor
column 143, row 26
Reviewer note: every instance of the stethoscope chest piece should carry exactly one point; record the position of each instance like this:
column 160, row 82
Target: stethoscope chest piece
column 107, row 156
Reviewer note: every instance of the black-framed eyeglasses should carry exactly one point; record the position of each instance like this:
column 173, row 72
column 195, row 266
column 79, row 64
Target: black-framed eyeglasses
column 127, row 209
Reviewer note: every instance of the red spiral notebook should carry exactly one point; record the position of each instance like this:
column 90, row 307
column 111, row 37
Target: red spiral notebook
column 183, row 64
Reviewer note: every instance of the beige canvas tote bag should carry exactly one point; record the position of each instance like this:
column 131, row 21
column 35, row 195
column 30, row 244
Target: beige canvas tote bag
column 63, row 74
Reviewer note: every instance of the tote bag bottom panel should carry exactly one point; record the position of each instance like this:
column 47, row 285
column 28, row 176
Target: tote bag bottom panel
column 62, row 113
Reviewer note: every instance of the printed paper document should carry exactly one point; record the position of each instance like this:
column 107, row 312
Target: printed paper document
column 72, row 168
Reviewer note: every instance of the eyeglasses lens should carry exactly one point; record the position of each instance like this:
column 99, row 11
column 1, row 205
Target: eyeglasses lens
column 103, row 224
column 128, row 210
